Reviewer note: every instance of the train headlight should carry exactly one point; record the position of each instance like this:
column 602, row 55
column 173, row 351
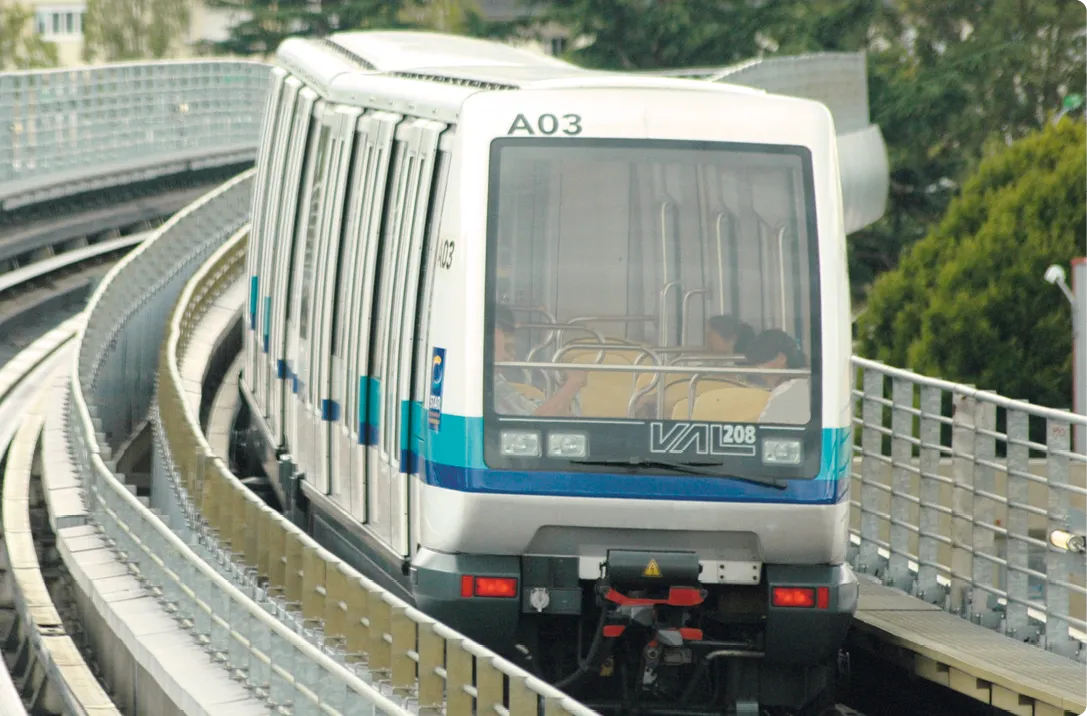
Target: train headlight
column 778, row 451
column 567, row 445
column 519, row 443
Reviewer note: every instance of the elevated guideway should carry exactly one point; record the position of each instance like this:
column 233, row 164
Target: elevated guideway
column 956, row 525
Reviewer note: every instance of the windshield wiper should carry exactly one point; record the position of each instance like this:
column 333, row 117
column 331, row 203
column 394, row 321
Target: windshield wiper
column 688, row 468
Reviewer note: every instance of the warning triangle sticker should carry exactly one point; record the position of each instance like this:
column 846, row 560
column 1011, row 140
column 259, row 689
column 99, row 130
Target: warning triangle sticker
column 652, row 569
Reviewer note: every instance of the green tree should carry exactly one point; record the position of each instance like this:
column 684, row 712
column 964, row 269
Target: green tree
column 640, row 35
column 452, row 16
column 968, row 302
column 945, row 79
column 20, row 47
column 120, row 30
column 269, row 22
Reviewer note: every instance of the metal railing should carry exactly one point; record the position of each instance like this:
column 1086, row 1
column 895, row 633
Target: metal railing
column 68, row 131
column 973, row 502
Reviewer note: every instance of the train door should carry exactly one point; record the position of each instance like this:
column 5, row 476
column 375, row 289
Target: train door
column 299, row 437
column 272, row 243
column 377, row 131
column 258, row 242
column 331, row 270
column 422, row 360
column 392, row 340
column 301, row 141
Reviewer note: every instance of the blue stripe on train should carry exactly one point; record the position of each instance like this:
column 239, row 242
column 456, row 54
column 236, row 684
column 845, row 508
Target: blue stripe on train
column 454, row 460
column 267, row 320
column 253, row 303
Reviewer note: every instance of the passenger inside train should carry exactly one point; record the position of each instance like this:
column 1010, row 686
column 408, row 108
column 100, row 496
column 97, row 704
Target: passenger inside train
column 728, row 335
column 509, row 400
column 790, row 397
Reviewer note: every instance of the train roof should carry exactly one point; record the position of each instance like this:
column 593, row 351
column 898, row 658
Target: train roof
column 397, row 51
column 453, row 60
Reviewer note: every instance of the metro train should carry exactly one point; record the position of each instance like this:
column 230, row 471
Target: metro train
column 478, row 362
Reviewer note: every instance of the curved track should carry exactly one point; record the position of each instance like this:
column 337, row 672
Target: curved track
column 48, row 671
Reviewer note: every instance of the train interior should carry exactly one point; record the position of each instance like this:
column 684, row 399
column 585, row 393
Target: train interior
column 683, row 278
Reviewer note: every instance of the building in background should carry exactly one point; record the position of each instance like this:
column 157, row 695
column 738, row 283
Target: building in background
column 61, row 23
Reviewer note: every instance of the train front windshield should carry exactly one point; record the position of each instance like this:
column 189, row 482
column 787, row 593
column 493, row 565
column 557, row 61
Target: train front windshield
column 652, row 302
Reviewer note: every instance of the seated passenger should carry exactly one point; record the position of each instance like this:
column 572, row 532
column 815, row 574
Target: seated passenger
column 790, row 398
column 728, row 335
column 510, row 401
column 725, row 335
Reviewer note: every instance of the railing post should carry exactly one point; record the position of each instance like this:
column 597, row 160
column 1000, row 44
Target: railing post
column 962, row 533
column 869, row 559
column 983, row 542
column 928, row 548
column 1058, row 443
column 1017, row 624
column 903, row 519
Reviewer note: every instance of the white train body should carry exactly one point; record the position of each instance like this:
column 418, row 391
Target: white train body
column 410, row 184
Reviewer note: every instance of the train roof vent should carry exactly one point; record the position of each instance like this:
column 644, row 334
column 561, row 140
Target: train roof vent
column 346, row 54
column 460, row 81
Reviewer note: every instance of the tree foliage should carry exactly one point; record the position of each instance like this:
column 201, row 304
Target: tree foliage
column 640, row 35
column 945, row 79
column 120, row 30
column 968, row 302
column 20, row 47
column 267, row 23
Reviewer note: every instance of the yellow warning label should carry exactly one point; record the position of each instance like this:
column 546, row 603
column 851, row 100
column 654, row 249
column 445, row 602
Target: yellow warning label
column 652, row 569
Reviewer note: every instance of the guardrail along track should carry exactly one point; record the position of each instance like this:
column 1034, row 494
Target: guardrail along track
column 37, row 297
column 68, row 132
column 46, row 671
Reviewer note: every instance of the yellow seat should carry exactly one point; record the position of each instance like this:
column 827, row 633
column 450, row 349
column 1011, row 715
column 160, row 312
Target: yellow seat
column 725, row 405
column 605, row 395
column 680, row 390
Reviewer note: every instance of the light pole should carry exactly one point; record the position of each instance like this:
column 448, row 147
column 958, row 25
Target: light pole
column 1077, row 296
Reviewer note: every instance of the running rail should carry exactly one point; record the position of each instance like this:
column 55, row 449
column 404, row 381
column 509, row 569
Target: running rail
column 63, row 132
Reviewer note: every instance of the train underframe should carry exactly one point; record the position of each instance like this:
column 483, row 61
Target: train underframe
column 665, row 645
column 645, row 638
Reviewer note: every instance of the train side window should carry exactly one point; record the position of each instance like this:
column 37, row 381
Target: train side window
column 360, row 183
column 397, row 287
column 384, row 285
column 277, row 167
column 313, row 230
column 297, row 175
column 348, row 243
column 301, row 142
column 303, row 221
column 380, row 128
column 417, row 315
column 256, row 236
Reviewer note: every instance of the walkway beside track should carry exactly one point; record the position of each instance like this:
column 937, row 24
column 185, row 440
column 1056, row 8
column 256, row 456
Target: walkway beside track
column 948, row 650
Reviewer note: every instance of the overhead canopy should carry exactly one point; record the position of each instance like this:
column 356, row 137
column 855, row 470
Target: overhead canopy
column 840, row 81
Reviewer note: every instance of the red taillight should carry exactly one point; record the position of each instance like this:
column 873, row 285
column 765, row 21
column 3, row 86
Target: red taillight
column 487, row 586
column 793, row 597
column 818, row 597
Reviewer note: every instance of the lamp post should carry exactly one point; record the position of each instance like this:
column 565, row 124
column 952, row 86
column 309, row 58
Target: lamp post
column 1077, row 296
